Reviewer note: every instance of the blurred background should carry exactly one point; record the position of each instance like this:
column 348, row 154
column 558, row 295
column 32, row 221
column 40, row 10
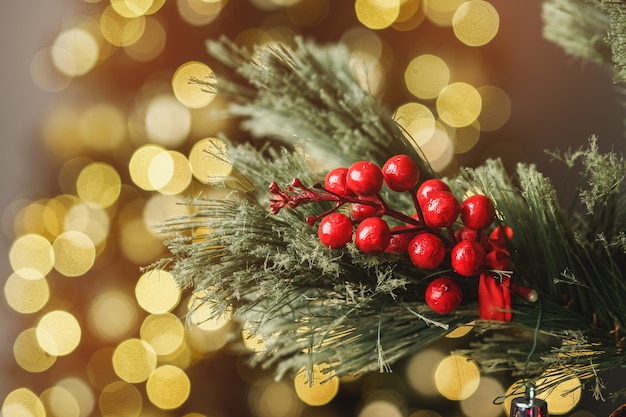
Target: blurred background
column 93, row 106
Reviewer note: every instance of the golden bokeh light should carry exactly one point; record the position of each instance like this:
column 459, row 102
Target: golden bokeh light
column 412, row 14
column 151, row 44
column 91, row 221
column 466, row 137
column 208, row 160
column 496, row 108
column 119, row 30
column 202, row 313
column 100, row 372
column 120, row 399
column 461, row 331
column 167, row 121
column 131, row 8
column 274, row 399
column 102, row 127
column 59, row 402
column 168, row 387
column 439, row 150
column 29, row 355
column 112, row 315
column 457, row 377
column 563, row 396
column 441, row 12
column 60, row 130
column 156, row 291
column 140, row 163
column 58, row 333
column 377, row 14
column 475, row 22
column 26, row 295
column 480, row 403
column 426, row 75
column 98, row 184
column 31, row 256
column 74, row 253
column 380, row 408
column 191, row 94
column 137, row 241
column 170, row 172
column 459, row 104
column 134, row 360
column 164, row 332
column 81, row 392
column 417, row 122
column 199, row 12
column 316, row 389
column 31, row 219
column 420, row 371
column 22, row 402
column 251, row 340
column 75, row 52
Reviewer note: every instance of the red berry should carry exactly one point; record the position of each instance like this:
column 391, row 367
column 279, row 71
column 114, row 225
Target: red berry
column 443, row 295
column 429, row 186
column 400, row 240
column 362, row 211
column 335, row 230
column 400, row 173
column 467, row 258
column 465, row 233
column 441, row 209
column 426, row 251
column 335, row 182
column 372, row 235
column 477, row 212
column 365, row 178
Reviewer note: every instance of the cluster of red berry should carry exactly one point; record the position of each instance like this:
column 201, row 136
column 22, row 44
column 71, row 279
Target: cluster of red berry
column 431, row 236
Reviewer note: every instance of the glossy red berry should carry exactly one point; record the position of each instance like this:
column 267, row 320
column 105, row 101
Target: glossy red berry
column 335, row 230
column 400, row 173
column 364, row 178
column 465, row 233
column 426, row 251
column 477, row 212
column 335, row 182
column 372, row 235
column 467, row 258
column 361, row 211
column 441, row 209
column 443, row 295
column 400, row 240
column 428, row 187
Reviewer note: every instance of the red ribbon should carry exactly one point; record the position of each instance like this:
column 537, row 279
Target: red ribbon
column 494, row 297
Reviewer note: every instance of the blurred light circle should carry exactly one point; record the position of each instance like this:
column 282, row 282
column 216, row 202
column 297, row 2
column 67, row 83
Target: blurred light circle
column 190, row 93
column 119, row 30
column 32, row 256
column 164, row 332
column 426, row 75
column 150, row 45
column 134, row 360
column 156, row 291
column 75, row 52
column 457, row 377
column 496, row 108
column 417, row 122
column 58, row 333
column 481, row 401
column 29, row 355
column 459, row 104
column 167, row 121
column 98, row 184
column 475, row 22
column 168, row 387
column 316, row 389
column 377, row 14
column 112, row 315
column 22, row 402
column 59, row 402
column 209, row 161
column 26, row 295
column 140, row 163
column 120, row 399
column 81, row 392
column 74, row 253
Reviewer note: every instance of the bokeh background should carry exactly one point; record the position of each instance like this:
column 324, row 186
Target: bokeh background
column 80, row 101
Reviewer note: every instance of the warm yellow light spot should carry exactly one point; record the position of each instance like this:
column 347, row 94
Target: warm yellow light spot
column 120, row 399
column 199, row 12
column 26, row 295
column 460, row 331
column 29, row 219
column 29, row 355
column 74, row 253
column 417, row 122
column 421, row 369
column 60, row 131
column 112, row 315
column 457, row 377
column 459, row 104
column 81, row 392
column 381, row 407
column 367, row 71
column 98, row 184
column 22, row 402
column 475, row 22
column 167, row 121
column 189, row 93
column 164, row 332
column 131, row 8
column 75, row 52
column 160, row 208
column 168, row 387
column 90, row 220
column 202, row 314
column 170, row 172
column 270, row 399
column 426, row 75
column 316, row 389
column 100, row 372
column 201, row 342
column 56, row 212
column 412, row 14
column 102, row 127
column 155, row 7
column 466, row 137
column 134, row 360
column 481, row 402
column 140, row 163
column 496, row 108
column 137, row 242
column 377, row 14
column 208, row 160
column 157, row 291
column 251, row 340
column 441, row 12
column 151, row 43
column 32, row 256
column 58, row 333
column 59, row 402
column 564, row 396
column 119, row 30
column 439, row 151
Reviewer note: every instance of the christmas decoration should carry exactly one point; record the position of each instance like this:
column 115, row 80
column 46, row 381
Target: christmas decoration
column 529, row 406
column 484, row 247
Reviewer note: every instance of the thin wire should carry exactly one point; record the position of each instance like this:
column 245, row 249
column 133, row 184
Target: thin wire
column 535, row 337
